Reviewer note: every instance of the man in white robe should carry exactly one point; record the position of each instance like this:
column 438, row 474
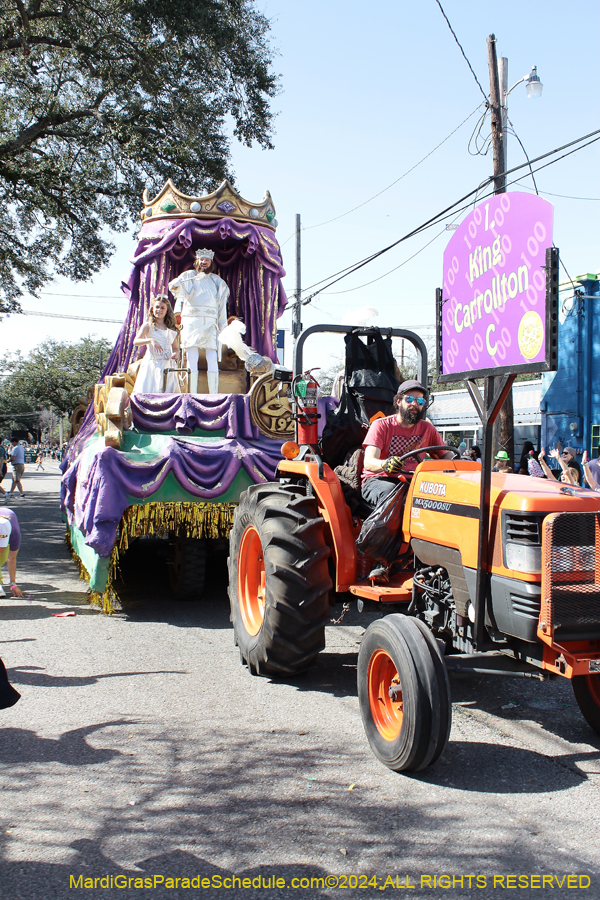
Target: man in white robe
column 203, row 316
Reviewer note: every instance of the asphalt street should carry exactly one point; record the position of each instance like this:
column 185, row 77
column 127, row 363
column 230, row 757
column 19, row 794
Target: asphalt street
column 142, row 750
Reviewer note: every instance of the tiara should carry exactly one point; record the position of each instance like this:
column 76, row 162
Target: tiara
column 205, row 254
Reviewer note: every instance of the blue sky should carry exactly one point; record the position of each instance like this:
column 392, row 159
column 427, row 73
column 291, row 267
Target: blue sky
column 366, row 92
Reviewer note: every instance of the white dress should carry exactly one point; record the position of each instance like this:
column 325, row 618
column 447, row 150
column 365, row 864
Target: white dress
column 204, row 313
column 150, row 377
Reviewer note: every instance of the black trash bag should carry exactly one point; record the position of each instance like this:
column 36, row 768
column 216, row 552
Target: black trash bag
column 381, row 533
column 8, row 695
column 371, row 367
column 346, row 428
column 369, row 387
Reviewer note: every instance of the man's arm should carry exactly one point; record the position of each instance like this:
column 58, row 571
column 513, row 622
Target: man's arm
column 372, row 461
column 436, row 439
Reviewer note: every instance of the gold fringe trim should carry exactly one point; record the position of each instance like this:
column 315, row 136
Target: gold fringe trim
column 107, row 601
column 195, row 520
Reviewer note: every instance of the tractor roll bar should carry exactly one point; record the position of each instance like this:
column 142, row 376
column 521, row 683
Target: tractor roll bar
column 410, row 336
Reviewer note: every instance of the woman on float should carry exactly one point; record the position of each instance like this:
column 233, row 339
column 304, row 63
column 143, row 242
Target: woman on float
column 160, row 335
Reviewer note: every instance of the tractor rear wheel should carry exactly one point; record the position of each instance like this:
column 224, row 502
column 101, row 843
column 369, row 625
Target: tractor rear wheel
column 404, row 693
column 278, row 579
column 187, row 568
column 587, row 694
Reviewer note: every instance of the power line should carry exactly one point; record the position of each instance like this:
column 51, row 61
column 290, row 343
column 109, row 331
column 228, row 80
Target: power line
column 452, row 209
column 334, row 293
column 514, row 133
column 563, row 196
column 485, row 96
column 32, row 312
column 374, row 197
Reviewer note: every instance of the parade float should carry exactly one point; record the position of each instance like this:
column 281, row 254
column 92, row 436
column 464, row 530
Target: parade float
column 173, row 465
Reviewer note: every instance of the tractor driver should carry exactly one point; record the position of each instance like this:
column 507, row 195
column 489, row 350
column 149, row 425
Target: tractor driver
column 388, row 438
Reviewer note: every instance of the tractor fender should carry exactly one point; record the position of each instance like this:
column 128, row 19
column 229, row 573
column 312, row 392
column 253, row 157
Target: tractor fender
column 336, row 513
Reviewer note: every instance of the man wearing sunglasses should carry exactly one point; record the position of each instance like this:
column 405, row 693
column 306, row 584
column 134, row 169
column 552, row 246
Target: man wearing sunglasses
column 389, row 438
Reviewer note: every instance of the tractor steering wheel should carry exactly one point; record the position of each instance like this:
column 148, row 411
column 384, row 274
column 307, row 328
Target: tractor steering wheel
column 417, row 453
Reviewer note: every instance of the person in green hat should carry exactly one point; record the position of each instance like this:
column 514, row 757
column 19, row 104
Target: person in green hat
column 502, row 462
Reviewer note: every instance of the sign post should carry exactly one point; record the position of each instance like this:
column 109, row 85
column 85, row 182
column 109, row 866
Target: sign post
column 497, row 315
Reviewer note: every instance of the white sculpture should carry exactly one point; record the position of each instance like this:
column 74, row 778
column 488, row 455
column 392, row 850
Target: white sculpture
column 232, row 337
column 203, row 316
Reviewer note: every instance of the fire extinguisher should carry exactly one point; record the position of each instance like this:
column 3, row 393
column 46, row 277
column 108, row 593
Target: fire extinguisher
column 306, row 392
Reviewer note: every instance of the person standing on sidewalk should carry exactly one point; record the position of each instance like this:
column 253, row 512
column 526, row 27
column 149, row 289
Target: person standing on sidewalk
column 17, row 458
column 10, row 541
column 3, row 466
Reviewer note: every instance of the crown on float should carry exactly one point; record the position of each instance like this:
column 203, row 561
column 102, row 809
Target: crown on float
column 225, row 202
column 205, row 254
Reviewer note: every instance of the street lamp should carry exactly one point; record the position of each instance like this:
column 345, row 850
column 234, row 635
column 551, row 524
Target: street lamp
column 533, row 87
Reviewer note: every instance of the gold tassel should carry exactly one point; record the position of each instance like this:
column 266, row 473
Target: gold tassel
column 196, row 520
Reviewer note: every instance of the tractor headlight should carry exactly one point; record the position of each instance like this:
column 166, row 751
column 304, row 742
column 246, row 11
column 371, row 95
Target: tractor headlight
column 525, row 558
column 522, row 540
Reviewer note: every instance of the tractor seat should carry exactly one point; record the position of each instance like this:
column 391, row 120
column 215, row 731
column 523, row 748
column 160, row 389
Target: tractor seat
column 349, row 474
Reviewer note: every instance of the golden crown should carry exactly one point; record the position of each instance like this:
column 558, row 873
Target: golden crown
column 225, row 201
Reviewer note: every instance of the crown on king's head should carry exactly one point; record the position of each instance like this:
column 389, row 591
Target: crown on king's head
column 205, row 254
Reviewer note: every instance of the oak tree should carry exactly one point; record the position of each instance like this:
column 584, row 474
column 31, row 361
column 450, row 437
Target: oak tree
column 102, row 98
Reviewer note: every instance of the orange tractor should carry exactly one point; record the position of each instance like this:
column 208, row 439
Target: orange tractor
column 513, row 593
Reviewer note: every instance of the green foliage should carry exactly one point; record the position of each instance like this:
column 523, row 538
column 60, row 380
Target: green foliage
column 54, row 376
column 100, row 99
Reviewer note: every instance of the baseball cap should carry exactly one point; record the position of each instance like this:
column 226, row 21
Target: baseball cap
column 412, row 385
column 502, row 454
column 5, row 532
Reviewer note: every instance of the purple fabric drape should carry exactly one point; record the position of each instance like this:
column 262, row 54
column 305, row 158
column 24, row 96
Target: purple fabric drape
column 247, row 257
column 95, row 500
column 185, row 413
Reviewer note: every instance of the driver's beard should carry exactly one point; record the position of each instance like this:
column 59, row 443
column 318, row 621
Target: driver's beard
column 410, row 415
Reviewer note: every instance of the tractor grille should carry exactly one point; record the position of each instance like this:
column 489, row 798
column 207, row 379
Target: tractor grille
column 522, row 527
column 571, row 575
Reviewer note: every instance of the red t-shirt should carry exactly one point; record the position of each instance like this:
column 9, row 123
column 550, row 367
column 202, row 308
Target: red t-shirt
column 394, row 439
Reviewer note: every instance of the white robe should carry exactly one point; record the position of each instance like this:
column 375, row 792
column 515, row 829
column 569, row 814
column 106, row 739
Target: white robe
column 151, row 373
column 204, row 313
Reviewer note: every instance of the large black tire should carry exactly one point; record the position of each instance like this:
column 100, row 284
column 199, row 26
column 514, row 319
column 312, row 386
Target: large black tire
column 408, row 730
column 278, row 579
column 587, row 694
column 187, row 568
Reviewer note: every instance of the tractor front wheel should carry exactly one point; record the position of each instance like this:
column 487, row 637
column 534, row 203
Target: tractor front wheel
column 587, row 694
column 278, row 579
column 404, row 693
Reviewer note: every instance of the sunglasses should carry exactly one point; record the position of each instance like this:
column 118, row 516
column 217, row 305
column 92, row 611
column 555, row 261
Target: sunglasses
column 418, row 400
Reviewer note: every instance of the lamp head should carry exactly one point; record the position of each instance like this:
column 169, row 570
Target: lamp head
column 533, row 85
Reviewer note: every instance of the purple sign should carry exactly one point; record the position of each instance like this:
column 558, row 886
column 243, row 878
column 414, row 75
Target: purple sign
column 493, row 309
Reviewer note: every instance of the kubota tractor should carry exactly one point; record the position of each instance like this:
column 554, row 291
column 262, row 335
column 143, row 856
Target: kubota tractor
column 293, row 552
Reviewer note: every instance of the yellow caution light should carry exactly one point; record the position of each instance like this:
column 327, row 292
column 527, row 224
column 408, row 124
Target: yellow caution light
column 290, row 450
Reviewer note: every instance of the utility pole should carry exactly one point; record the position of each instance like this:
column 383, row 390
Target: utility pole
column 297, row 321
column 504, row 427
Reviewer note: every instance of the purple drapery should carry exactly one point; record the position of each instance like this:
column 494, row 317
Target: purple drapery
column 186, row 413
column 247, row 257
column 95, row 500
